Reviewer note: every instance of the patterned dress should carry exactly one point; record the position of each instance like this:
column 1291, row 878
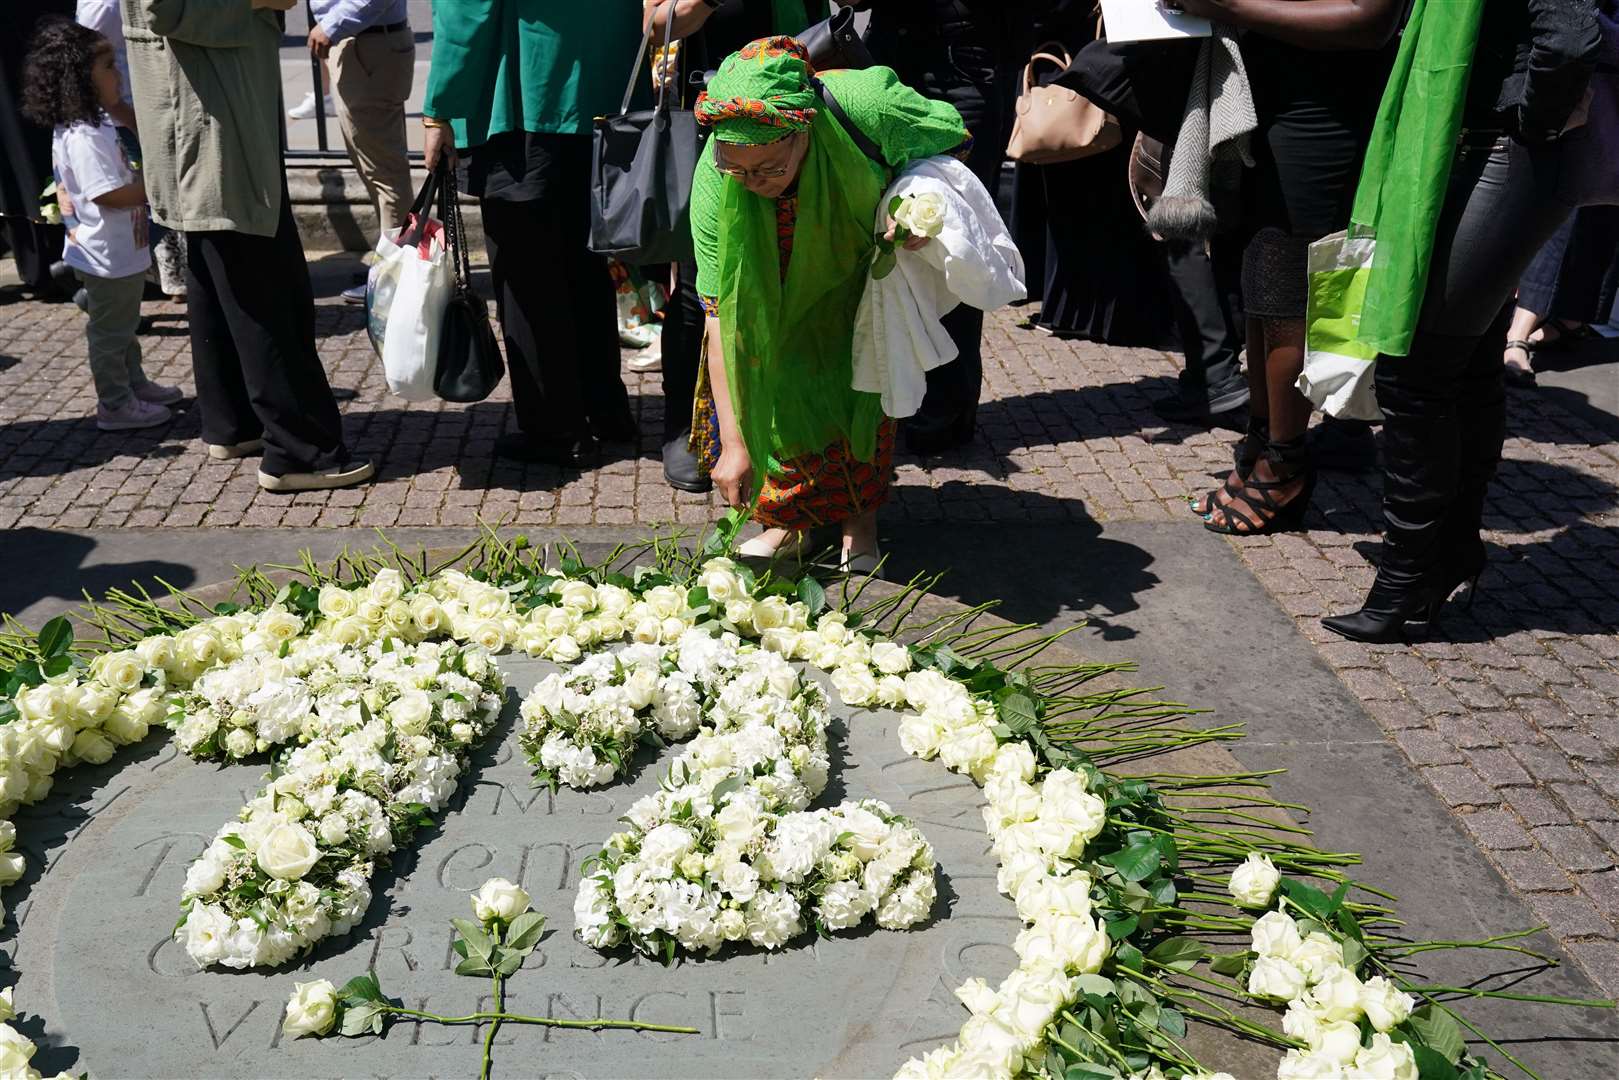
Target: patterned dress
column 809, row 490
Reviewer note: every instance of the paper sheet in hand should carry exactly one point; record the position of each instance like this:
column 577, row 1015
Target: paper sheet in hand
column 1148, row 20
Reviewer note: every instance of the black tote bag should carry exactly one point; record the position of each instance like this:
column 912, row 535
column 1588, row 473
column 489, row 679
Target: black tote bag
column 641, row 175
column 469, row 364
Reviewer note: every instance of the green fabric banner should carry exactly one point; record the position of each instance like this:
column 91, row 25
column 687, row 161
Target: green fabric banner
column 1407, row 171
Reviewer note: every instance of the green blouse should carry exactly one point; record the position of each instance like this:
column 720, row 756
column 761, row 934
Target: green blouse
column 529, row 65
column 904, row 124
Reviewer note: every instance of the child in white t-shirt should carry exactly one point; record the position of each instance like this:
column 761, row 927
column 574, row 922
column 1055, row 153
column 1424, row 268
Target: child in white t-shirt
column 70, row 81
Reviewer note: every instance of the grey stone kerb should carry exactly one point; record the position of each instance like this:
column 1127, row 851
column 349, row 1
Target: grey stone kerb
column 119, row 998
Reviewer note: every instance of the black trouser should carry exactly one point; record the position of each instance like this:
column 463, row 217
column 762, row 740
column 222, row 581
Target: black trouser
column 967, row 76
column 1444, row 404
column 252, row 315
column 1205, row 295
column 557, row 312
column 683, row 325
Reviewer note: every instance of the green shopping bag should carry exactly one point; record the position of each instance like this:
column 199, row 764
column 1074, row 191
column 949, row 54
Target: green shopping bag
column 1367, row 283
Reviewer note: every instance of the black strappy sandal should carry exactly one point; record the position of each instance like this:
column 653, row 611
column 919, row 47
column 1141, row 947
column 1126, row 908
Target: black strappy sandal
column 1517, row 376
column 1244, row 456
column 1290, row 461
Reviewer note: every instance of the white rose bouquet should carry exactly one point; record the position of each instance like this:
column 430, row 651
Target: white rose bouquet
column 296, row 867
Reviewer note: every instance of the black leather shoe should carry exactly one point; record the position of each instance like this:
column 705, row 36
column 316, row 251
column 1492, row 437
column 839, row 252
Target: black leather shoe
column 932, row 440
column 617, row 429
column 1388, row 607
column 680, row 466
column 574, row 453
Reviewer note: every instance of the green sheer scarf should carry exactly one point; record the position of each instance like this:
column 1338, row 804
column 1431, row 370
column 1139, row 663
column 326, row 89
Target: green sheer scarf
column 788, row 342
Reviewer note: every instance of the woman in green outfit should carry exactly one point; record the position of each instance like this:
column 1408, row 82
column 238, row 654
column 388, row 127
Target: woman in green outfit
column 783, row 206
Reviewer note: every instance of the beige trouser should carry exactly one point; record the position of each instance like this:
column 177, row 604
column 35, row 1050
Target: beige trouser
column 371, row 78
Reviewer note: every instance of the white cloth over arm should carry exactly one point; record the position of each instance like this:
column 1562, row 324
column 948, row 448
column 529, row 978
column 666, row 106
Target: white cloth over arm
column 897, row 336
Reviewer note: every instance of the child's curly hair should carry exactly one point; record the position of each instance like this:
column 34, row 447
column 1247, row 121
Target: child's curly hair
column 57, row 87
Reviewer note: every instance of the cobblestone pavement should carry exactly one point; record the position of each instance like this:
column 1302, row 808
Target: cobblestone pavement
column 1510, row 715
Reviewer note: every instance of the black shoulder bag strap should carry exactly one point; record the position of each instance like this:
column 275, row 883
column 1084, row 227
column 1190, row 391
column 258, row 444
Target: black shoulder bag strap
column 861, row 139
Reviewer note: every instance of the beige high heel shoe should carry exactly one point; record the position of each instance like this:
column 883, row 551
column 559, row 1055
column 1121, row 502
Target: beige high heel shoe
column 760, row 548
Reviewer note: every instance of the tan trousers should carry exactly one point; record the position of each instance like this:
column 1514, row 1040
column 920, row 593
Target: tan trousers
column 371, row 78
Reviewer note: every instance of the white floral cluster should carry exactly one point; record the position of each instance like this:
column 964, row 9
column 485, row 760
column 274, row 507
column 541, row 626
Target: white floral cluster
column 17, row 1049
column 1040, row 825
column 581, row 727
column 1326, row 1004
column 587, row 615
column 726, row 849
column 297, row 865
column 85, row 715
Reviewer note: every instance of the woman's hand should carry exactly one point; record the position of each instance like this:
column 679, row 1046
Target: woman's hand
column 733, row 475
column 438, row 141
column 913, row 243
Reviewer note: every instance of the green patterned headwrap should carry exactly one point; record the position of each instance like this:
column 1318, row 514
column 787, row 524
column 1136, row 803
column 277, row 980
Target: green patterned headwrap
column 761, row 93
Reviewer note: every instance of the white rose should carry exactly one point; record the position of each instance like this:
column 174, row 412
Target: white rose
column 1302, row 1065
column 15, row 1051
column 287, row 852
column 1275, row 978
column 411, row 712
column 7, row 1009
column 1336, row 996
column 1254, row 882
column 279, row 624
column 579, row 595
column 240, row 742
column 1385, row 1059
column 499, row 899
column 1318, row 955
column 462, row 733
column 92, row 746
column 923, row 213
column 312, row 1009
column 123, row 671
column 156, row 651
column 1338, row 1041
column 1276, row 934
column 387, row 586
column 336, row 602
column 428, row 616
column 771, row 613
column 333, row 830
column 1384, row 1004
column 890, row 658
column 855, row 685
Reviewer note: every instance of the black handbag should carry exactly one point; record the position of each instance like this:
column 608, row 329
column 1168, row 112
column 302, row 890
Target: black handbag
column 469, row 364
column 641, row 176
column 836, row 43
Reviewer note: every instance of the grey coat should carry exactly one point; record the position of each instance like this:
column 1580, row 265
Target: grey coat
column 206, row 78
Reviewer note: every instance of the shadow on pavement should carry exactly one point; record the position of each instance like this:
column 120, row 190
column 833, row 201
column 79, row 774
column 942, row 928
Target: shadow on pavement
column 59, row 566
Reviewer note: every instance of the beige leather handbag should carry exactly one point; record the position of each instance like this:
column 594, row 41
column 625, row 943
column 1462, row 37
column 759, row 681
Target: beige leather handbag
column 1054, row 123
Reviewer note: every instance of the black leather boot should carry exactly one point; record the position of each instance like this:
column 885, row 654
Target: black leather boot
column 681, row 468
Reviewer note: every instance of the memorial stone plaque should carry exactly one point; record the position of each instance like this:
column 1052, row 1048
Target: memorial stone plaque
column 118, row 997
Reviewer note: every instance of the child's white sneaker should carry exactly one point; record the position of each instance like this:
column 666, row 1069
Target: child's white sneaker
column 154, row 394
column 132, row 414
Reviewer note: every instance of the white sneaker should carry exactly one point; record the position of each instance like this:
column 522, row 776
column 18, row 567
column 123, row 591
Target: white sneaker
column 232, row 451
column 355, row 472
column 305, row 109
column 155, row 394
column 132, row 414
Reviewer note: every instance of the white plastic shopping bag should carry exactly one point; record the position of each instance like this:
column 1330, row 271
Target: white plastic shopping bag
column 405, row 296
column 1338, row 369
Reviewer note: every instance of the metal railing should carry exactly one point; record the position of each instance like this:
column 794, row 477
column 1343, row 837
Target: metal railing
column 324, row 149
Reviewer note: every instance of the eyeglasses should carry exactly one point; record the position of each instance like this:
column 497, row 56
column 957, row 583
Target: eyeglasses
column 746, row 174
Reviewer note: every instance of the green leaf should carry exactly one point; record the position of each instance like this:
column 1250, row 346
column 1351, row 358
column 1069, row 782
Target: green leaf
column 56, row 638
column 894, row 204
column 27, row 674
column 57, row 665
column 478, row 968
column 1432, row 1065
column 480, row 946
column 507, row 962
column 883, row 265
column 1100, row 985
column 525, row 932
column 1018, row 712
column 1309, row 898
column 1089, row 1070
column 1179, row 953
column 235, row 841
column 1129, row 957
column 1229, row 963
column 811, row 592
column 1136, row 862
column 362, row 1019
column 1122, row 927
column 1437, row 1030
column 8, row 711
column 361, row 988
column 727, row 786
column 1354, row 953
column 1171, row 1021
